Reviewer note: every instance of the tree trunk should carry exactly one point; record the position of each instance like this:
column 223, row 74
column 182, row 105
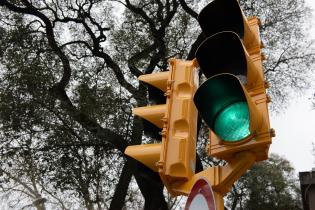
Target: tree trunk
column 151, row 188
column 118, row 200
column 39, row 203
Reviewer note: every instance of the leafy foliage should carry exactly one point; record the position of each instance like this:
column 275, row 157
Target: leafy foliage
column 271, row 184
column 68, row 84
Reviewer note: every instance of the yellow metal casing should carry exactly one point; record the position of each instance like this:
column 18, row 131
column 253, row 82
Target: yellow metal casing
column 221, row 178
column 148, row 154
column 158, row 80
column 153, row 114
column 175, row 157
column 178, row 155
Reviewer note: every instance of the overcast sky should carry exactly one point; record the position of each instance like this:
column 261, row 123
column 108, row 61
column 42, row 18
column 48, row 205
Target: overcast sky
column 295, row 128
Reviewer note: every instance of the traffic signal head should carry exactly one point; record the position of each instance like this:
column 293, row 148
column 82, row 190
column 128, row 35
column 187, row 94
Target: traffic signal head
column 175, row 157
column 226, row 15
column 233, row 100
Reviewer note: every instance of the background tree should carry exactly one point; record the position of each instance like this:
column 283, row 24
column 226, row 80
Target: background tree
column 287, row 49
column 68, row 84
column 271, row 184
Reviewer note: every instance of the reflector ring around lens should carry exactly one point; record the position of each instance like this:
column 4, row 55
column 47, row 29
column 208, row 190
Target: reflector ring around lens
column 232, row 123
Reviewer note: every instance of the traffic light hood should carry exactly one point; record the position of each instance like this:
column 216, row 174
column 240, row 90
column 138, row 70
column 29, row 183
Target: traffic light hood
column 221, row 15
column 225, row 53
column 226, row 15
column 152, row 115
column 222, row 53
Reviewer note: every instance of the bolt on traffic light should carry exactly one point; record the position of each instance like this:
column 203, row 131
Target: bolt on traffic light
column 175, row 157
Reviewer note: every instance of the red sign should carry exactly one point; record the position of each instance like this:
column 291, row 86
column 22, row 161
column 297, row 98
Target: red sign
column 201, row 197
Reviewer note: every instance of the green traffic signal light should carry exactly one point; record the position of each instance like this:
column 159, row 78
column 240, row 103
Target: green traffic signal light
column 232, row 123
column 222, row 104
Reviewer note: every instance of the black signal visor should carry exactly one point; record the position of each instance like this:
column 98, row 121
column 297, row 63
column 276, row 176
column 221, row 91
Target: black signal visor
column 222, row 15
column 222, row 53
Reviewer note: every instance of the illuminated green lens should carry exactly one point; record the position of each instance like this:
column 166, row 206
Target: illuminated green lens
column 232, row 124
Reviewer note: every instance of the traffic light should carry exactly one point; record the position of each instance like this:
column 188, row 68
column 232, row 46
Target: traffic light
column 175, row 157
column 233, row 101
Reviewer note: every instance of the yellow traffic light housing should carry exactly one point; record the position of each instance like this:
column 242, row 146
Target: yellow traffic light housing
column 232, row 102
column 175, row 157
column 148, row 154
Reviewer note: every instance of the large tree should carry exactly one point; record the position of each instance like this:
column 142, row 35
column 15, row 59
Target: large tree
column 68, row 84
column 270, row 184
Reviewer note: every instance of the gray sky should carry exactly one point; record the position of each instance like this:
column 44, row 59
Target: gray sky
column 295, row 128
